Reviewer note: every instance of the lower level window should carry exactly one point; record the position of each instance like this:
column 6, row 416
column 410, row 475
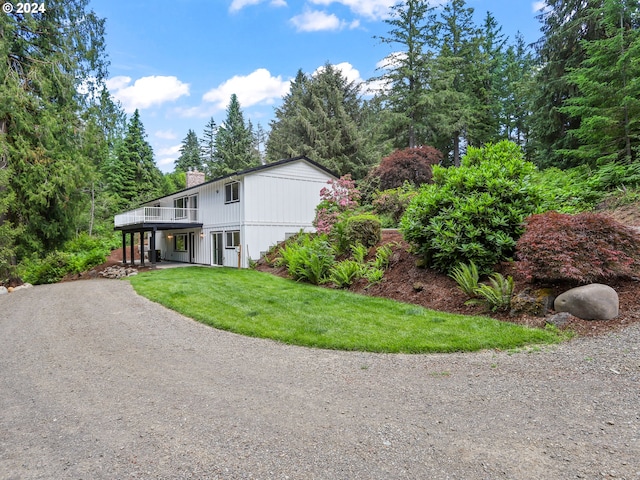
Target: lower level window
column 180, row 242
column 233, row 239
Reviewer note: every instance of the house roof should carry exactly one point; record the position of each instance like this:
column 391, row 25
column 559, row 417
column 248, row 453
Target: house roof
column 253, row 170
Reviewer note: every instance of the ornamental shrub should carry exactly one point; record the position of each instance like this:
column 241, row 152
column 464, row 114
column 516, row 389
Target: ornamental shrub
column 587, row 247
column 341, row 196
column 363, row 229
column 412, row 165
column 473, row 213
column 391, row 204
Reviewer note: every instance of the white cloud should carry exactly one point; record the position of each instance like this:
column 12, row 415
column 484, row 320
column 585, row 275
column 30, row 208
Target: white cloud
column 146, row 91
column 167, row 156
column 537, row 7
column 316, row 21
column 347, row 70
column 166, row 134
column 172, row 151
column 390, row 61
column 371, row 9
column 259, row 87
column 237, row 5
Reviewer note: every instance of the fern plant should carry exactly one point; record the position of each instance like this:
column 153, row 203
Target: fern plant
column 466, row 276
column 497, row 295
column 383, row 255
column 344, row 273
column 359, row 252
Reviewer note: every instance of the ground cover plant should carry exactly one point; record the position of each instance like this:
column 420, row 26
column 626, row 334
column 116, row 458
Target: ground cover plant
column 262, row 305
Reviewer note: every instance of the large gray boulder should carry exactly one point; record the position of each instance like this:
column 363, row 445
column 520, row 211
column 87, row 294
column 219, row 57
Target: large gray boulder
column 589, row 302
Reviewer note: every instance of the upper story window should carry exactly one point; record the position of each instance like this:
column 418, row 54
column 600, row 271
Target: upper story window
column 232, row 192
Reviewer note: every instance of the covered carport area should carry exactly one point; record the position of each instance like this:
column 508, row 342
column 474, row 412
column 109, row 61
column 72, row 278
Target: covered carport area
column 142, row 228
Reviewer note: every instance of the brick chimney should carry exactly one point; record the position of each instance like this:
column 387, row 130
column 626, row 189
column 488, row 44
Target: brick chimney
column 194, row 178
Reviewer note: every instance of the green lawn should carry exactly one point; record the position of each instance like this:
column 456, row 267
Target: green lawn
column 262, row 305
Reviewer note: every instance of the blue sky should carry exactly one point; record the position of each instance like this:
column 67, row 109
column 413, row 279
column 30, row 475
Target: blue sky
column 179, row 61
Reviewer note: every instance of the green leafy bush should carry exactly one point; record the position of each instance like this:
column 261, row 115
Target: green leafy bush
column 586, row 247
column 467, row 277
column 391, row 204
column 473, row 212
column 364, row 229
column 359, row 252
column 77, row 255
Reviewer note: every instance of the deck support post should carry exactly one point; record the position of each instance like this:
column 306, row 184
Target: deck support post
column 133, row 246
column 152, row 247
column 124, row 247
column 142, row 248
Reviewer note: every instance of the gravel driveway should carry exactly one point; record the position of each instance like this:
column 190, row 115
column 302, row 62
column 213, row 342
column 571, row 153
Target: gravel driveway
column 97, row 382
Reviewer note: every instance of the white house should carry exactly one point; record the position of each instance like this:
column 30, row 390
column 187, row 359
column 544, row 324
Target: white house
column 229, row 220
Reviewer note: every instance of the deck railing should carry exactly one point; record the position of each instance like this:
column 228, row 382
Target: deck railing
column 157, row 215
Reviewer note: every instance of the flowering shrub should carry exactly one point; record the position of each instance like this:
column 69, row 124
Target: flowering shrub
column 585, row 248
column 341, row 196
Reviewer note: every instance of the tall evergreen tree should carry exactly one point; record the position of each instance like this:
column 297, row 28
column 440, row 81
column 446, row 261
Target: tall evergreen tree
column 208, row 149
column 517, row 87
column 566, row 25
column 458, row 90
column 406, row 71
column 286, row 130
column 320, row 118
column 608, row 92
column 134, row 176
column 190, row 157
column 234, row 141
column 48, row 57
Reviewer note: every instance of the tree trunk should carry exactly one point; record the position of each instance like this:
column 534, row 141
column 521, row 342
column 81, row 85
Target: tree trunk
column 456, row 149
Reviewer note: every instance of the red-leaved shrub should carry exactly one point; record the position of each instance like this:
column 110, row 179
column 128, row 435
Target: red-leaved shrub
column 587, row 247
column 411, row 165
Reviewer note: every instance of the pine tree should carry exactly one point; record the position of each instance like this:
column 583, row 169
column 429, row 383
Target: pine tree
column 208, row 149
column 233, row 141
column 607, row 102
column 190, row 154
column 517, row 87
column 407, row 71
column 567, row 24
column 320, row 118
column 134, row 176
column 455, row 89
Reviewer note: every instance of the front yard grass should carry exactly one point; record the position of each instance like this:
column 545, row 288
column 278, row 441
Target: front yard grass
column 262, row 305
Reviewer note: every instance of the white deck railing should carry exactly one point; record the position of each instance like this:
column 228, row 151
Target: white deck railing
column 157, row 215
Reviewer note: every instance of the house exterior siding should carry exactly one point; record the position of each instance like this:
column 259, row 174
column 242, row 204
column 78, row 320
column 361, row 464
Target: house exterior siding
column 273, row 202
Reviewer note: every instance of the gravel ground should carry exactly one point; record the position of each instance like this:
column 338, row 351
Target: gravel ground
column 97, row 382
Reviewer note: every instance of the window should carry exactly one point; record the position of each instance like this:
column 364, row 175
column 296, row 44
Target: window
column 180, row 242
column 232, row 192
column 233, row 239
